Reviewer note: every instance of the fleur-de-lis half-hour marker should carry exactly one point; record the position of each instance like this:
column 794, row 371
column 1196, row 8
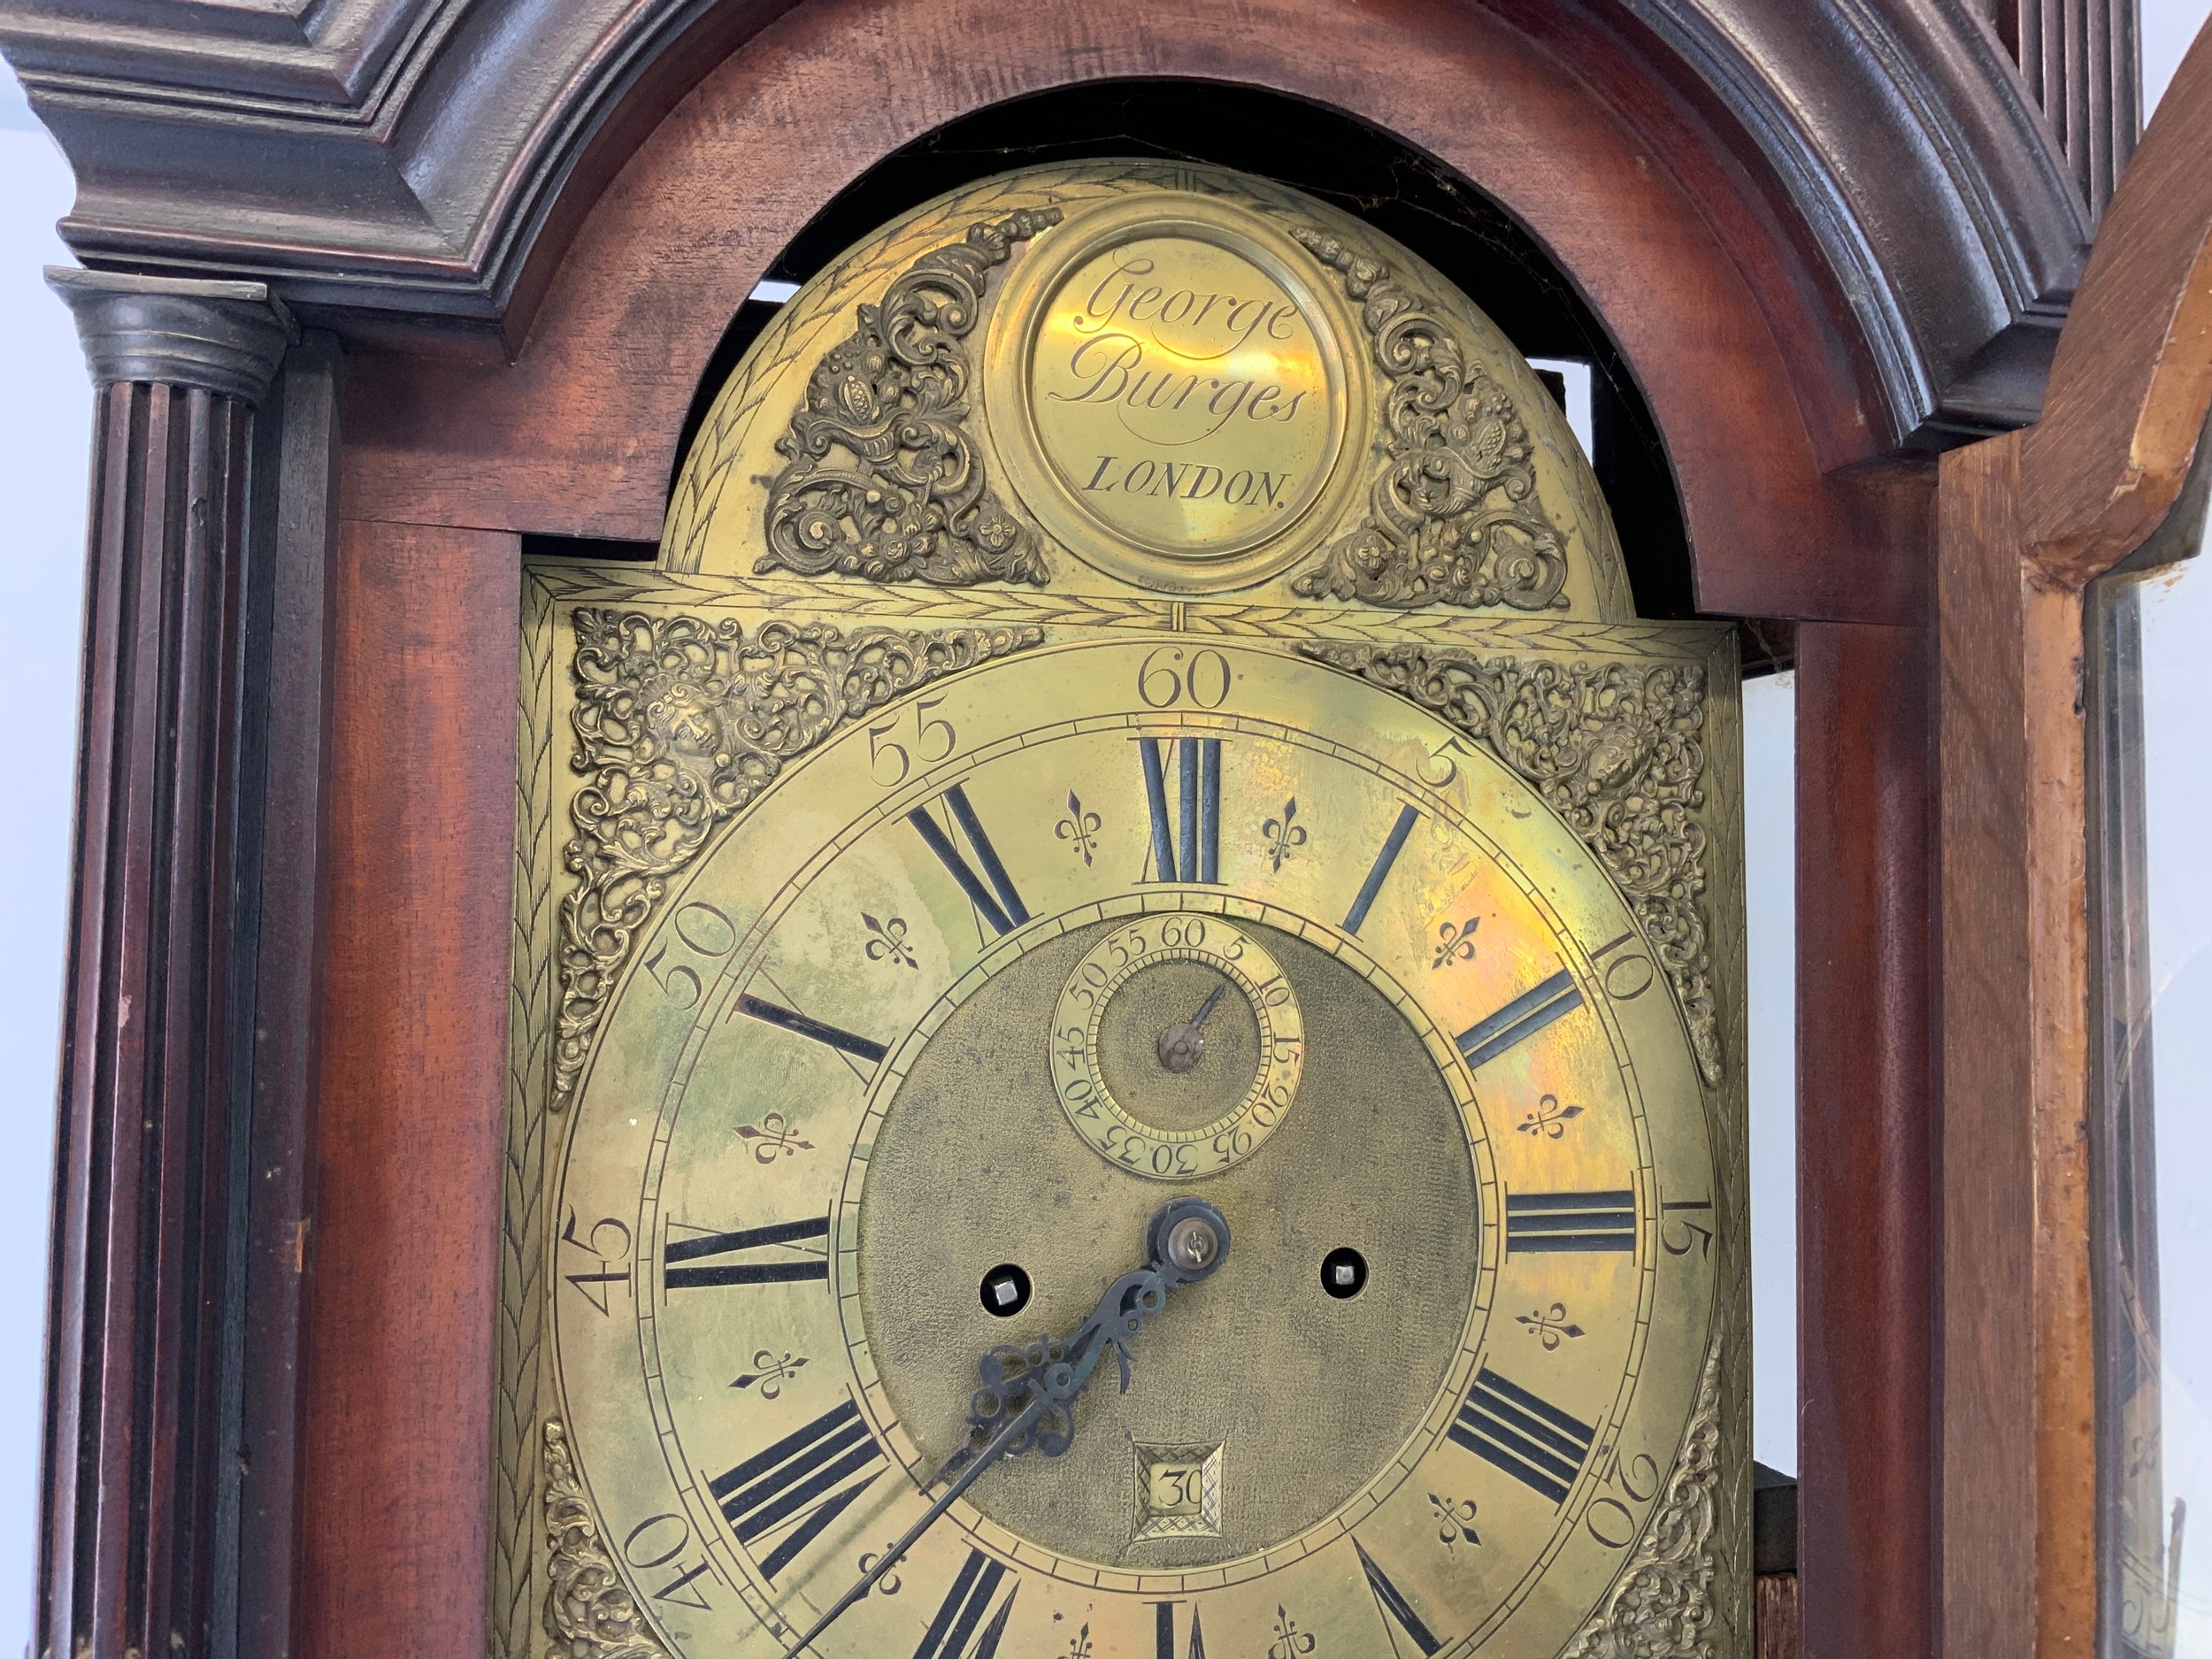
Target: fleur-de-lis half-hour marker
column 775, row 1138
column 1079, row 829
column 1282, row 834
column 769, row 1372
column 1551, row 1329
column 1290, row 1641
column 1549, row 1118
column 1455, row 1521
column 1455, row 942
column 889, row 943
column 1079, row 1644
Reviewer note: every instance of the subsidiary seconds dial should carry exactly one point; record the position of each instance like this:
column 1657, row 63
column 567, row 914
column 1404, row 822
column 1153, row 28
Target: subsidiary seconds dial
column 1176, row 1047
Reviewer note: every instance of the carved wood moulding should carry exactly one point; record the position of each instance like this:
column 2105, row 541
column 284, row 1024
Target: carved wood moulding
column 426, row 152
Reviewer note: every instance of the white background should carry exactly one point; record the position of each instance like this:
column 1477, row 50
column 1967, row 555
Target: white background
column 44, row 424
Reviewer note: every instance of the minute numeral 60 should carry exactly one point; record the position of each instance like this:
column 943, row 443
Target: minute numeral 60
column 1170, row 676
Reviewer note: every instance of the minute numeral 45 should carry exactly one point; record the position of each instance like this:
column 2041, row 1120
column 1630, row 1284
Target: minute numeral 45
column 1533, row 1440
column 965, row 1605
column 1185, row 834
column 797, row 1486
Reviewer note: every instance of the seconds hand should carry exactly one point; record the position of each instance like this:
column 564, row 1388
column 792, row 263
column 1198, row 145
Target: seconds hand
column 1179, row 1047
column 1188, row 1240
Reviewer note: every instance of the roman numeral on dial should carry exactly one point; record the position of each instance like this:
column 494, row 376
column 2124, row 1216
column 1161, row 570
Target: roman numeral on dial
column 1392, row 1604
column 963, row 1608
column 778, row 1271
column 1538, row 1444
column 1164, row 1632
column 1519, row 1020
column 790, row 1019
column 1195, row 826
column 802, row 1483
column 1569, row 1221
column 991, row 893
column 1378, row 872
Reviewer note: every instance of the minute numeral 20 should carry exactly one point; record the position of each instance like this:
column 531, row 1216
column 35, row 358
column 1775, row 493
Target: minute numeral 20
column 779, row 1270
column 804, row 1482
column 1186, row 842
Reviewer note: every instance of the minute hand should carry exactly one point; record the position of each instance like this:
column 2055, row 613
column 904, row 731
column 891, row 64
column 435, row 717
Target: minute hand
column 1028, row 1393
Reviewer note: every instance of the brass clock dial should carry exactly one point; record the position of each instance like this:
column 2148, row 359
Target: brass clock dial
column 832, row 1100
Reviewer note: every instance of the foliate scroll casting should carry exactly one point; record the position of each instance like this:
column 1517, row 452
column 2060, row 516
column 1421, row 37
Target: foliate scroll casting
column 881, row 479
column 588, row 1612
column 680, row 721
column 1455, row 518
column 1661, row 1605
column 1614, row 748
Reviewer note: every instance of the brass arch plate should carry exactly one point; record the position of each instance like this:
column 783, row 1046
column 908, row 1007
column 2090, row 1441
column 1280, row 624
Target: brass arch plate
column 1172, row 391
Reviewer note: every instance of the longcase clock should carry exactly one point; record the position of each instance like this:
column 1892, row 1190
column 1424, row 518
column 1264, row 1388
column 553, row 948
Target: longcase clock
column 1127, row 996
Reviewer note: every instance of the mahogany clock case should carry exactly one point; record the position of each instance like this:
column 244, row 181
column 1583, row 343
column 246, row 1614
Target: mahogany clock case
column 1777, row 256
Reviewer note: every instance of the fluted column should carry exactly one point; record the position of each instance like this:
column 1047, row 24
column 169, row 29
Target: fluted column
column 145, row 1444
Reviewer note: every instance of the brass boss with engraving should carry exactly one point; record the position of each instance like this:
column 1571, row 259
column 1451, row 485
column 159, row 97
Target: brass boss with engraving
column 1172, row 392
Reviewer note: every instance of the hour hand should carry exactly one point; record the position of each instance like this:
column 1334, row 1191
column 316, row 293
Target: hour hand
column 1016, row 1410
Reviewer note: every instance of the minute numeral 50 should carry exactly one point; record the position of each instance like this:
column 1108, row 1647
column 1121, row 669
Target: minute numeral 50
column 708, row 934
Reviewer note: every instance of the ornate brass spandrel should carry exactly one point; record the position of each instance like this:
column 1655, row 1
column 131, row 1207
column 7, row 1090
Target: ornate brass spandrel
column 1443, row 475
column 1662, row 1605
column 1454, row 517
column 882, row 480
column 590, row 1611
column 1617, row 749
column 680, row 721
